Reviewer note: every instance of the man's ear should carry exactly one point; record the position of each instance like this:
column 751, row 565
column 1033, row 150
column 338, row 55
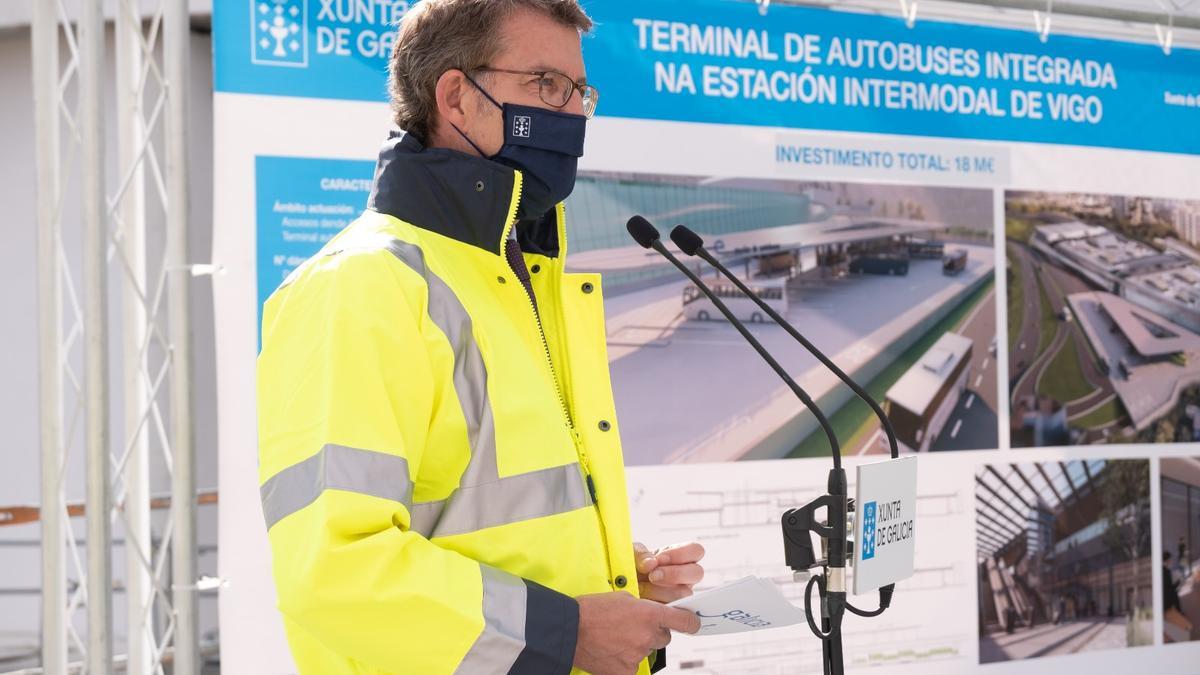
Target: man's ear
column 450, row 94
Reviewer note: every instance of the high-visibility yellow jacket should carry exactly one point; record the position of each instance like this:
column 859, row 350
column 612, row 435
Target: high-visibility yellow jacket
column 439, row 463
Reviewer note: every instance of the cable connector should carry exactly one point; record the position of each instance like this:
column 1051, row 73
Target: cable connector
column 885, row 595
column 885, row 601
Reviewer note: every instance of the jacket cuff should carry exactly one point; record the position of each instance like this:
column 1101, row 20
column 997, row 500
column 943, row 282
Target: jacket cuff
column 551, row 631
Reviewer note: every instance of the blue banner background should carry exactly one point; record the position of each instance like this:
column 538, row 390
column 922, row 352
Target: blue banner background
column 302, row 203
column 292, row 47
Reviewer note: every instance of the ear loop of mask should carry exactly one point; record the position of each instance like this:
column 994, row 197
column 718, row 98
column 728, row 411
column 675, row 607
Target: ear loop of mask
column 489, row 97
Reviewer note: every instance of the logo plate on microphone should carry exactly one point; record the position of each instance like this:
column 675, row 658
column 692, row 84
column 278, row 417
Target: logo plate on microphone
column 886, row 495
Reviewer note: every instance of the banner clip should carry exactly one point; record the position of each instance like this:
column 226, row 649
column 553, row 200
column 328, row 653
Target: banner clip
column 1166, row 36
column 908, row 10
column 1041, row 21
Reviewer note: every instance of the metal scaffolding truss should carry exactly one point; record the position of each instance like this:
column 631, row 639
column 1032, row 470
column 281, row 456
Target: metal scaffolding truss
column 148, row 196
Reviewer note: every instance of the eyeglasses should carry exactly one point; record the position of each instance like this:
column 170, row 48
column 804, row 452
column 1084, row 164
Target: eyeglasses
column 556, row 88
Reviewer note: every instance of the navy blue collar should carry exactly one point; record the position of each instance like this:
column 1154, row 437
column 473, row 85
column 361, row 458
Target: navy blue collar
column 454, row 194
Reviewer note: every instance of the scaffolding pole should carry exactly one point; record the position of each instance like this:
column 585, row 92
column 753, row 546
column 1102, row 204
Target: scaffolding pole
column 54, row 527
column 132, row 137
column 176, row 54
column 95, row 287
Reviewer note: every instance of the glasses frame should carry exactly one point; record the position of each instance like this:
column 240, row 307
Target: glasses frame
column 586, row 91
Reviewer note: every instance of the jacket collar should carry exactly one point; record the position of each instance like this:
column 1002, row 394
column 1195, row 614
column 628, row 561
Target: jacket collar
column 456, row 195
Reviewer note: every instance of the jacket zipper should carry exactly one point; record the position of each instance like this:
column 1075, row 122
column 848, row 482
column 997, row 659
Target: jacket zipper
column 562, row 401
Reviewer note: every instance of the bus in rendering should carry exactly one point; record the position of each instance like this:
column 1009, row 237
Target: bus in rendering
column 697, row 306
column 922, row 248
column 879, row 263
column 954, row 262
column 882, row 255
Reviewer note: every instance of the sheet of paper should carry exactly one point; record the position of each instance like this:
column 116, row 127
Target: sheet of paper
column 748, row 604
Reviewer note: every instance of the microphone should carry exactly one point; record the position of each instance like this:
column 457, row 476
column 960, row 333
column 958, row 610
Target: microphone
column 646, row 235
column 692, row 244
column 794, row 531
column 797, row 523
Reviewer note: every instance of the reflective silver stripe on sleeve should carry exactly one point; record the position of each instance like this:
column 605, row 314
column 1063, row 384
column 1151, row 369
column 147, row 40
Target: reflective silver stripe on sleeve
column 336, row 467
column 525, row 496
column 503, row 636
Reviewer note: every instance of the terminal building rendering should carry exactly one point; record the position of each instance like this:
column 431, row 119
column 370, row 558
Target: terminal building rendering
column 1104, row 320
column 1180, row 539
column 922, row 401
column 1166, row 282
column 1063, row 552
column 879, row 277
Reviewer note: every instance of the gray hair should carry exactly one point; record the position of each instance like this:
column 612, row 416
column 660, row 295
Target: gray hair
column 441, row 35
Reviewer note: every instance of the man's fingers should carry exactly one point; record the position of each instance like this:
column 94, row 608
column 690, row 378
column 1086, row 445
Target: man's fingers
column 663, row 594
column 644, row 560
column 680, row 554
column 662, row 638
column 680, row 620
column 676, row 575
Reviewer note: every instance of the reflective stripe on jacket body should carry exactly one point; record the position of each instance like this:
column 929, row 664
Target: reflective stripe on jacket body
column 438, row 481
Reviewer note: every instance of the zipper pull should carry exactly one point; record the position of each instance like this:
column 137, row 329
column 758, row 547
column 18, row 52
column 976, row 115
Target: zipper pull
column 591, row 486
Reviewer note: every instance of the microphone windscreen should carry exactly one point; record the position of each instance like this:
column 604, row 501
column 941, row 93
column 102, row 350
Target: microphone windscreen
column 689, row 242
column 642, row 231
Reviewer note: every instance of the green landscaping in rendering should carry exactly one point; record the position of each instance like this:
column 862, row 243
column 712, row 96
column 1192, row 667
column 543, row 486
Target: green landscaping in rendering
column 1063, row 379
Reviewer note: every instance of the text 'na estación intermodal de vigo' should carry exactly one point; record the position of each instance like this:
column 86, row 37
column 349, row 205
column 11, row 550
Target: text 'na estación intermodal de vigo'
column 870, row 73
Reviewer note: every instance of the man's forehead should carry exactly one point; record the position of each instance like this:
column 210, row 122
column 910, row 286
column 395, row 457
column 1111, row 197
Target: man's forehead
column 532, row 41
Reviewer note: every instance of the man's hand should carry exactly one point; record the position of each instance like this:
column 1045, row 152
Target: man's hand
column 617, row 631
column 668, row 574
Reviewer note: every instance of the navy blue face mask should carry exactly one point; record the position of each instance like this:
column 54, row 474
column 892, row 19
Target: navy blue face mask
column 545, row 145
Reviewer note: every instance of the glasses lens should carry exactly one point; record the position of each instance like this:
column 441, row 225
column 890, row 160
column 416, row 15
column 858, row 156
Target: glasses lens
column 556, row 89
column 591, row 96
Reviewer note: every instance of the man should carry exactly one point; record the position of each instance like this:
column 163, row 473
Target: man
column 439, row 462
column 1170, row 585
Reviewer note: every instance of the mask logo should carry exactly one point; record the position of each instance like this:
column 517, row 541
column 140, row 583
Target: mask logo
column 868, row 541
column 522, row 126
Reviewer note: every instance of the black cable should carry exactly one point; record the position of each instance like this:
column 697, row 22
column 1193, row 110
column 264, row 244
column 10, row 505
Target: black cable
column 885, row 601
column 862, row 612
column 812, row 625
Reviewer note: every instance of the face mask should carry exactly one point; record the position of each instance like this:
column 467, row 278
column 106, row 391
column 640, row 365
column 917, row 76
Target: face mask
column 545, row 145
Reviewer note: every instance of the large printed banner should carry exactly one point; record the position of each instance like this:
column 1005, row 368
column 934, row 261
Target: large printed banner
column 998, row 237
column 714, row 61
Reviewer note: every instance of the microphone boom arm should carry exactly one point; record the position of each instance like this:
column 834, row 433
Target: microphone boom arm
column 798, row 523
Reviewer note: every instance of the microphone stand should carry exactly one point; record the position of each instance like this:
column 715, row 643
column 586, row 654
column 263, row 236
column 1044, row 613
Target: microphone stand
column 799, row 523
